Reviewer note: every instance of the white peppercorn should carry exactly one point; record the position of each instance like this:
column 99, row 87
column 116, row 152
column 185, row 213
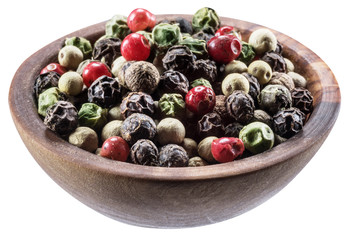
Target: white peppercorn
column 261, row 70
column 235, row 66
column 235, row 81
column 289, row 65
column 70, row 57
column 263, row 40
column 299, row 80
column 112, row 128
column 190, row 147
column 204, row 149
column 170, row 130
column 196, row 162
column 84, row 138
column 71, row 83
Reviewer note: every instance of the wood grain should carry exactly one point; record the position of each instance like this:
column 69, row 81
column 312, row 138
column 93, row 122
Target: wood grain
column 174, row 197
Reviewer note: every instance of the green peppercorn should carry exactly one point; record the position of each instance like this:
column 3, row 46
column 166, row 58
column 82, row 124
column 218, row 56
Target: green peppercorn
column 235, row 81
column 84, row 138
column 247, row 53
column 117, row 27
column 70, row 57
column 71, row 83
column 92, row 115
column 170, row 130
column 172, row 105
column 165, row 35
column 83, row 44
column 261, row 70
column 201, row 82
column 257, row 137
column 196, row 46
column 263, row 40
column 206, row 20
column 48, row 98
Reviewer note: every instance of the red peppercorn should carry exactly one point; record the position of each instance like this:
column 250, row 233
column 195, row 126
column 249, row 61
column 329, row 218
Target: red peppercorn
column 224, row 48
column 228, row 30
column 93, row 71
column 227, row 149
column 135, row 47
column 54, row 67
column 140, row 19
column 200, row 100
column 115, row 148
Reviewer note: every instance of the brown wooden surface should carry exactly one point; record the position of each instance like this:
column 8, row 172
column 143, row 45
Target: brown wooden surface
column 174, row 197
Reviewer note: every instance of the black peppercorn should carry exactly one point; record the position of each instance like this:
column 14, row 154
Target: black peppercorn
column 233, row 129
column 45, row 81
column 221, row 109
column 206, row 69
column 144, row 152
column 137, row 102
column 107, row 50
column 210, row 125
column 179, row 58
column 288, row 122
column 203, row 36
column 173, row 155
column 184, row 25
column 62, row 118
column 138, row 126
column 279, row 48
column 240, row 106
column 254, row 87
column 302, row 99
column 275, row 60
column 104, row 91
column 173, row 82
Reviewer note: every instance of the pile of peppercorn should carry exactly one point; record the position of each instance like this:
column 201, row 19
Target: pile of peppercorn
column 173, row 93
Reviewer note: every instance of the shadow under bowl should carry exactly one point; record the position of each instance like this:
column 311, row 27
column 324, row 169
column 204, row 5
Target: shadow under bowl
column 174, row 197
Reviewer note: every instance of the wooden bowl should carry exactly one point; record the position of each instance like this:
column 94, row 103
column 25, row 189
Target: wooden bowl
column 174, row 197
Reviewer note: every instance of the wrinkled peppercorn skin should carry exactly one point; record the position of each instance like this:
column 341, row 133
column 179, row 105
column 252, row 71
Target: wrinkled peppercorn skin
column 104, row 91
column 172, row 155
column 173, row 82
column 210, row 125
column 107, row 50
column 62, row 118
column 144, row 152
column 205, row 68
column 275, row 60
column 302, row 99
column 137, row 102
column 179, row 58
column 240, row 106
column 138, row 126
column 45, row 81
column 288, row 122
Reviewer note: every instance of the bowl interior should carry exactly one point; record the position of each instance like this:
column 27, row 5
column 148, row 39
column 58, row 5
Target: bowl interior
column 321, row 83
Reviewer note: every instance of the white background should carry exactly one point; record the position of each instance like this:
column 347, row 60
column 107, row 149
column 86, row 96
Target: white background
column 315, row 205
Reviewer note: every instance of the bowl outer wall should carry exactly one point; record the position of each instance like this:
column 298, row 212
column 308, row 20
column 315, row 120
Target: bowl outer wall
column 174, row 197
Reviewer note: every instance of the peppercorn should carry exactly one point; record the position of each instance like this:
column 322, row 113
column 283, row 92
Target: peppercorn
column 298, row 79
column 196, row 46
column 144, row 152
column 179, row 58
column 224, row 48
column 173, row 82
column 289, row 65
column 82, row 43
column 200, row 100
column 93, row 70
column 273, row 98
column 282, row 79
column 201, row 35
column 92, row 115
column 173, row 155
column 263, row 40
column 62, row 118
column 121, row 70
column 288, row 122
column 190, row 146
column 184, row 25
column 135, row 47
column 104, row 91
column 70, row 57
column 210, row 125
column 261, row 70
column 170, row 130
column 107, row 50
column 204, row 149
column 142, row 76
column 71, row 83
column 165, row 35
column 233, row 129
column 137, row 102
column 247, row 53
column 45, row 81
column 302, row 99
column 141, row 19
column 233, row 82
column 112, row 128
column 207, row 20
column 254, row 87
column 227, row 149
column 117, row 27
column 262, row 116
column 201, row 82
column 115, row 148
column 172, row 105
column 83, row 64
column 138, row 126
column 221, row 109
column 115, row 113
column 275, row 60
column 53, row 67
column 240, row 106
column 234, row 66
column 204, row 68
column 257, row 137
column 279, row 48
column 48, row 98
column 84, row 138
column 196, row 162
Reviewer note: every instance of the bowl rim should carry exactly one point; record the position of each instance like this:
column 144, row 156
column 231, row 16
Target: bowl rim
column 321, row 121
